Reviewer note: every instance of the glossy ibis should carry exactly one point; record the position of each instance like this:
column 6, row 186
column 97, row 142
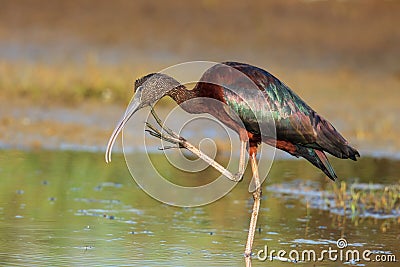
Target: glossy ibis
column 300, row 131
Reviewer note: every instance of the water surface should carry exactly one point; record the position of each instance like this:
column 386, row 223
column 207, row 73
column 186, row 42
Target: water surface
column 71, row 209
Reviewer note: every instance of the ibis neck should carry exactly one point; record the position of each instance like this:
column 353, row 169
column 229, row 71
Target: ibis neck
column 181, row 94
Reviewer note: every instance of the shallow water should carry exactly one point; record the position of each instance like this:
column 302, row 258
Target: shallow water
column 71, row 209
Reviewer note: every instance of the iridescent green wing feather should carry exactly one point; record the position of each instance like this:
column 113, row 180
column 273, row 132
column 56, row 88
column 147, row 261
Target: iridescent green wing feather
column 295, row 121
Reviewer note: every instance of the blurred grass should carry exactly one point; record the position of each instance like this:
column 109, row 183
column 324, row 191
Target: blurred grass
column 70, row 83
column 378, row 201
column 353, row 101
column 66, row 84
column 381, row 200
column 321, row 47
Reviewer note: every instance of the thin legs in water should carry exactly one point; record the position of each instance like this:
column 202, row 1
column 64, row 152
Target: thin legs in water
column 256, row 209
column 172, row 137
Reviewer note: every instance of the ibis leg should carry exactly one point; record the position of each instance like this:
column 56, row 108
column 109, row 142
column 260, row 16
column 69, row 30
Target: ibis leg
column 173, row 137
column 242, row 161
column 256, row 208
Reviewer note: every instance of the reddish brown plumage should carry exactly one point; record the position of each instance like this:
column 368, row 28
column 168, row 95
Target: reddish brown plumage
column 300, row 131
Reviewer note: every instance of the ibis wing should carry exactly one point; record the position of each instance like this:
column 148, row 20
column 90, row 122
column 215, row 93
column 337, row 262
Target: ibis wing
column 295, row 121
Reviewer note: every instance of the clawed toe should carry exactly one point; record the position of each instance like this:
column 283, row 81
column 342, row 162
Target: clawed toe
column 237, row 177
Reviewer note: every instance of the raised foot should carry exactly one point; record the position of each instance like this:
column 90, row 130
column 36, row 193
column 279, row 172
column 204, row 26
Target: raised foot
column 170, row 136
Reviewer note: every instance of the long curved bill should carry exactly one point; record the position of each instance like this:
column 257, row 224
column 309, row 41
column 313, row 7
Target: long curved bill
column 130, row 110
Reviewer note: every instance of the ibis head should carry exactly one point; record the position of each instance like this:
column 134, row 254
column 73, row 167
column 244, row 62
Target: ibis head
column 148, row 90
